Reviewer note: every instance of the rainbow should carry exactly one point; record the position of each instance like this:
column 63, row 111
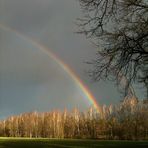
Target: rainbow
column 64, row 66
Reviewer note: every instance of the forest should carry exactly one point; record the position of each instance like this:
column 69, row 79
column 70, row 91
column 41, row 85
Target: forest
column 127, row 121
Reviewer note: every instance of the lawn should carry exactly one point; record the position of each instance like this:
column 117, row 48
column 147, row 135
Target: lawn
column 54, row 143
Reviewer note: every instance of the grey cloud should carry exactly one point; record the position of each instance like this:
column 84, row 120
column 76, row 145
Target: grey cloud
column 28, row 74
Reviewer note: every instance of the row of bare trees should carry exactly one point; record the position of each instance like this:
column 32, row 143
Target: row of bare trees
column 128, row 120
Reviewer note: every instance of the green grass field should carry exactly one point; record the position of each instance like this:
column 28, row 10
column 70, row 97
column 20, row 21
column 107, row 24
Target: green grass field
column 54, row 143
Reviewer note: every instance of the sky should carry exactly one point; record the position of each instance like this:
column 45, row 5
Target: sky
column 31, row 80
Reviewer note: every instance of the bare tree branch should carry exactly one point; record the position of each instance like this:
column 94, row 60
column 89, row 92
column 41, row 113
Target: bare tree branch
column 119, row 28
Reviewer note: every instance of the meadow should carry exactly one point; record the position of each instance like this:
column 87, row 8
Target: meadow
column 68, row 143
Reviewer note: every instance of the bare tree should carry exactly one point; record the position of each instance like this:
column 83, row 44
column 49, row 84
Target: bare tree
column 127, row 120
column 119, row 29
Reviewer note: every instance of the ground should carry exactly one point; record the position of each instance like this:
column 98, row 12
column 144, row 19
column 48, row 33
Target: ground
column 67, row 143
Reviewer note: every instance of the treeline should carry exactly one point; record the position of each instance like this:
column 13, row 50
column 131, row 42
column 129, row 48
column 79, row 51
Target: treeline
column 128, row 120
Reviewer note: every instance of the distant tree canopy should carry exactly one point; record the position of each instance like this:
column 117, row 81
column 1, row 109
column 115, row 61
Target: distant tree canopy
column 128, row 120
column 119, row 28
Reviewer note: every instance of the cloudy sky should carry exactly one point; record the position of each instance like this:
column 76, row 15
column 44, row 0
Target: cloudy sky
column 31, row 80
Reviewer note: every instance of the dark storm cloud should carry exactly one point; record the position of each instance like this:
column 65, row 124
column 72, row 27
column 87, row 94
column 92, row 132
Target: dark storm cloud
column 20, row 64
column 31, row 80
column 52, row 22
column 26, row 16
